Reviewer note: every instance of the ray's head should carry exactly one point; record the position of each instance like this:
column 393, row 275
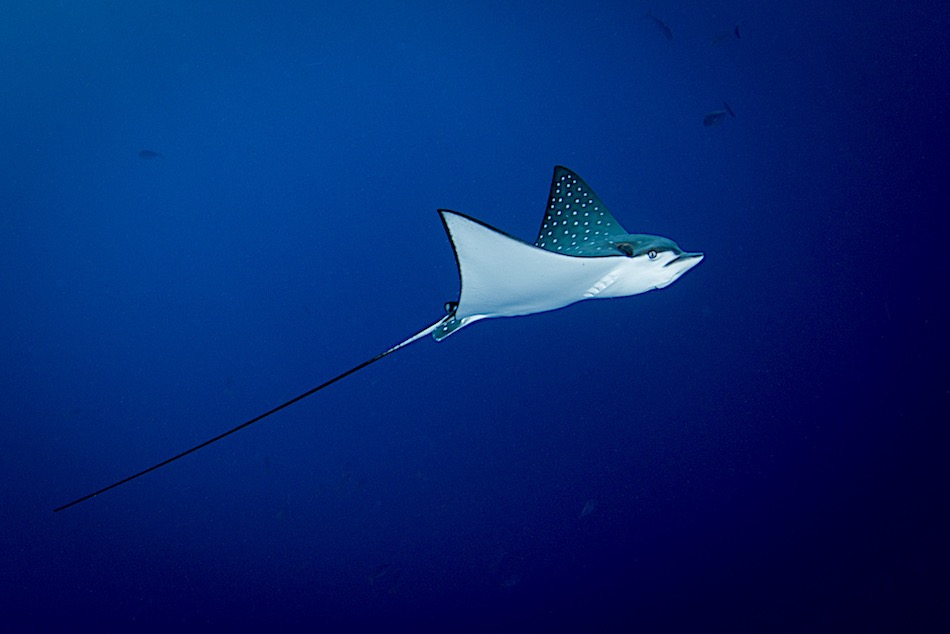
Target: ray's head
column 659, row 260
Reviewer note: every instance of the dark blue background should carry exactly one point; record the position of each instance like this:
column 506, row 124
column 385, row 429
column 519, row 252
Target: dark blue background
column 765, row 441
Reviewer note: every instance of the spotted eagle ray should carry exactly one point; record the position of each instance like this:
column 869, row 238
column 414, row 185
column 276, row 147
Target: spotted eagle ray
column 581, row 253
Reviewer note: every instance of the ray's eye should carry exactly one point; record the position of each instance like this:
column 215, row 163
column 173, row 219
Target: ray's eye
column 652, row 255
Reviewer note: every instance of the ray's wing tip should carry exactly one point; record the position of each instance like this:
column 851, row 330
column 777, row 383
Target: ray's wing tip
column 446, row 214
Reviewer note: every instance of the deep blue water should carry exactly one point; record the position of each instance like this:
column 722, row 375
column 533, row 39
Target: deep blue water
column 762, row 446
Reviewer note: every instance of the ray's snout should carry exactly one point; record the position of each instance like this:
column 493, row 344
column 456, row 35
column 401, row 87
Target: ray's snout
column 686, row 260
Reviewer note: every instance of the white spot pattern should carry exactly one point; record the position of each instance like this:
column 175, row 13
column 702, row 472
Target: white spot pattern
column 581, row 203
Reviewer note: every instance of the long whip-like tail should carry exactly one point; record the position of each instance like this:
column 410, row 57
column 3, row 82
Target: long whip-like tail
column 300, row 397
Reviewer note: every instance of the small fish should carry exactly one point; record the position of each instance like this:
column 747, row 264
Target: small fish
column 395, row 580
column 714, row 118
column 718, row 116
column 150, row 154
column 727, row 35
column 511, row 581
column 589, row 507
column 379, row 572
column 660, row 24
